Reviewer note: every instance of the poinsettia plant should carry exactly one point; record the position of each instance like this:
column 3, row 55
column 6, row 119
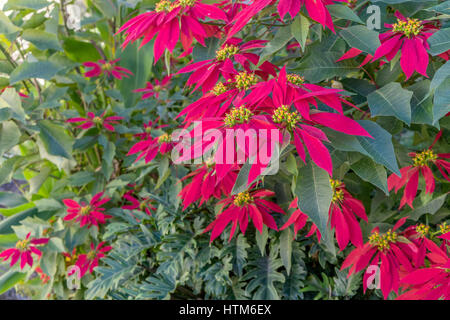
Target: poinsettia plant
column 199, row 149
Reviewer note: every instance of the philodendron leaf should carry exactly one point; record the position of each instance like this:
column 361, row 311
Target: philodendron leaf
column 391, row 100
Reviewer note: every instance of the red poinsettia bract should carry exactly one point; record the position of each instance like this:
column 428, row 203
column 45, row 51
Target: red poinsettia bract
column 86, row 262
column 341, row 217
column 153, row 90
column 106, row 67
column 206, row 73
column 92, row 120
column 431, row 283
column 170, row 22
column 87, row 214
column 410, row 36
column 410, row 174
column 23, row 251
column 206, row 184
column 239, row 208
column 391, row 252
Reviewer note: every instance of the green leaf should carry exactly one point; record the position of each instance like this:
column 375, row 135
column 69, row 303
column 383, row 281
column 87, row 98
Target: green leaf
column 391, row 100
column 441, row 101
column 11, row 199
column 440, row 76
column 443, row 7
column 41, row 39
column 439, row 42
column 300, row 30
column 371, row 172
column 278, row 42
column 5, row 225
column 421, row 103
column 317, row 67
column 56, row 244
column 10, row 279
column 8, row 212
column 380, row 148
column 7, row 28
column 343, row 12
column 10, row 99
column 7, row 168
column 39, row 69
column 9, row 136
column 430, row 207
column 56, row 140
column 261, row 239
column 80, row 51
column 361, row 38
column 286, row 239
column 202, row 53
column 314, row 194
column 26, row 4
column 158, row 287
column 238, row 251
column 8, row 240
column 140, row 63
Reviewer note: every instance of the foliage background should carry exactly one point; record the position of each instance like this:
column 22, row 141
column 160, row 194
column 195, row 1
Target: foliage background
column 166, row 255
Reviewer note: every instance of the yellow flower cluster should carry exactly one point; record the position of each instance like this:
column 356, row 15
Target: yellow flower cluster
column 383, row 241
column 164, row 138
column 422, row 229
column 421, row 159
column 444, row 228
column 168, row 6
column 22, row 244
column 237, row 116
column 242, row 199
column 226, row 52
column 338, row 194
column 85, row 210
column 408, row 28
column 219, row 88
column 283, row 115
column 245, row 80
column 295, row 79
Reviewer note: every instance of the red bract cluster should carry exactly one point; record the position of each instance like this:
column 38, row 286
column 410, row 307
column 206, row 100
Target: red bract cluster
column 410, row 174
column 410, row 36
column 86, row 262
column 23, row 251
column 239, row 208
column 92, row 120
column 170, row 22
column 341, row 217
column 87, row 214
column 106, row 67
